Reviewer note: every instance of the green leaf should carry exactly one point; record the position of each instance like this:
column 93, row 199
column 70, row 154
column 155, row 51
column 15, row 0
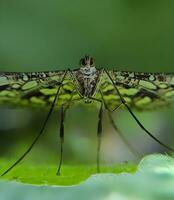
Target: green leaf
column 153, row 180
column 70, row 175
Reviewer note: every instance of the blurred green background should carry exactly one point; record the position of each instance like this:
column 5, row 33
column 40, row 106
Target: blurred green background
column 43, row 35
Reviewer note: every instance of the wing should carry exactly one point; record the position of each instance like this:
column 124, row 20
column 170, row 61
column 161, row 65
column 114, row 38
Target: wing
column 35, row 89
column 142, row 91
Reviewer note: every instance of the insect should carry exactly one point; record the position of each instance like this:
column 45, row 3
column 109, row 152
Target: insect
column 110, row 88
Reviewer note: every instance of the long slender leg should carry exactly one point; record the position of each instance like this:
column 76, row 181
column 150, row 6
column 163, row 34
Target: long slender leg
column 62, row 120
column 131, row 148
column 40, row 133
column 99, row 136
column 62, row 115
column 135, row 118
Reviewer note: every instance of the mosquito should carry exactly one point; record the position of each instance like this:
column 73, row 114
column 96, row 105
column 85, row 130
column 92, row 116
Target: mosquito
column 112, row 89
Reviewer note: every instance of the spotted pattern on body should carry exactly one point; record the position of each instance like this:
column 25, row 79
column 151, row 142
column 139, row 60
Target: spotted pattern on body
column 141, row 91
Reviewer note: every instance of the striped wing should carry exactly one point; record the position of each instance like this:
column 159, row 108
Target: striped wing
column 35, row 89
column 142, row 91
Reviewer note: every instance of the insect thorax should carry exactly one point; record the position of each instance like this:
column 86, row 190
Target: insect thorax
column 87, row 77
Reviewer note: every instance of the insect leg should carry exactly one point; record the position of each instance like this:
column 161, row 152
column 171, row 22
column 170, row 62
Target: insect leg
column 62, row 116
column 127, row 143
column 99, row 131
column 99, row 135
column 131, row 148
column 62, row 120
column 40, row 133
column 135, row 118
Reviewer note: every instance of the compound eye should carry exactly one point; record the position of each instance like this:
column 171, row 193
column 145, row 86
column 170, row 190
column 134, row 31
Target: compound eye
column 92, row 61
column 83, row 62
